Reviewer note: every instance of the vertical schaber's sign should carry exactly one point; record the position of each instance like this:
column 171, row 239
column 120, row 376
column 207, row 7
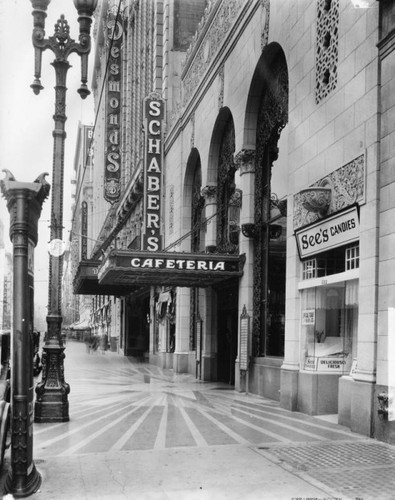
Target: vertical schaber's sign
column 153, row 172
column 112, row 174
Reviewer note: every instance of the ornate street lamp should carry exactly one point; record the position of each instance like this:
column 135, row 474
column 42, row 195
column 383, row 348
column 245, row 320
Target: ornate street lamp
column 24, row 203
column 52, row 392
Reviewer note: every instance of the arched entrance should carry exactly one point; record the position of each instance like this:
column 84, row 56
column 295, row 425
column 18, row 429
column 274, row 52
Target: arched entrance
column 194, row 204
column 227, row 311
column 267, row 115
column 227, row 241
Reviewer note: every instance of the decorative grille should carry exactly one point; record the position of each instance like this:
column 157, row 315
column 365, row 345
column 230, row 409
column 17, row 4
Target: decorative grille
column 326, row 48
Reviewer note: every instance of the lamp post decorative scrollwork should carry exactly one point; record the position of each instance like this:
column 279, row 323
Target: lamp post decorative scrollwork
column 52, row 392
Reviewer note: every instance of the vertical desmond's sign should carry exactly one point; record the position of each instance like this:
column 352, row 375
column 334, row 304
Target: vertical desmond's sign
column 153, row 172
column 112, row 174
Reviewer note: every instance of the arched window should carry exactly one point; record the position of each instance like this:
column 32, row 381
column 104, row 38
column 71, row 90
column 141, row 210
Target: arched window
column 227, row 200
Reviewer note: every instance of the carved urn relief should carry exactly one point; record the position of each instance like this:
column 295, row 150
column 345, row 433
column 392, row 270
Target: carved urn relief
column 317, row 199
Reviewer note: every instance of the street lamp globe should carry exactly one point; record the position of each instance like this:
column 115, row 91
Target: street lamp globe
column 85, row 6
column 40, row 4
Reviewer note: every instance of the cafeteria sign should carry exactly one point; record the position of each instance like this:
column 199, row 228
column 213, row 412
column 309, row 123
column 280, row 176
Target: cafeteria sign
column 335, row 231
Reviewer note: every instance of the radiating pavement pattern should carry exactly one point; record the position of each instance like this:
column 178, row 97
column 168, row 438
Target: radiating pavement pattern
column 137, row 431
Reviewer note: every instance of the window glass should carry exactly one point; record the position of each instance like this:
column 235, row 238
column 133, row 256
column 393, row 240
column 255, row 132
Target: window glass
column 329, row 323
column 334, row 261
column 276, row 272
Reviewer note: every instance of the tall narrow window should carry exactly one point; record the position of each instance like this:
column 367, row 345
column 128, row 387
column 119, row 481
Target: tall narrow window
column 196, row 231
column 226, row 242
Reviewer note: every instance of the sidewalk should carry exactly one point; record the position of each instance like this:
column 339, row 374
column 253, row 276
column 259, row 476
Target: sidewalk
column 138, row 432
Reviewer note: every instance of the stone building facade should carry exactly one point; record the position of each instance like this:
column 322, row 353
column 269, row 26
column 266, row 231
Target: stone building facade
column 77, row 308
column 5, row 283
column 270, row 212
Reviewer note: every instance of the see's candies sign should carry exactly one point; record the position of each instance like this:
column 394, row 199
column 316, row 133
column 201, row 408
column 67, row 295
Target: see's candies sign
column 153, row 172
column 338, row 230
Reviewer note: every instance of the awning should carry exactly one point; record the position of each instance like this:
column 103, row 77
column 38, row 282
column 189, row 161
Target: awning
column 86, row 281
column 142, row 268
column 81, row 325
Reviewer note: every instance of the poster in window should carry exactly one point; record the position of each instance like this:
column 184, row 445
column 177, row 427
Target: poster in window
column 308, row 317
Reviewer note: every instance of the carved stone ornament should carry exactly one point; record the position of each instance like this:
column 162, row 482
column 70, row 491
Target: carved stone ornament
column 317, row 199
column 265, row 21
column 245, row 161
column 347, row 185
column 219, row 17
column 236, row 198
column 209, row 193
column 221, row 77
column 192, row 141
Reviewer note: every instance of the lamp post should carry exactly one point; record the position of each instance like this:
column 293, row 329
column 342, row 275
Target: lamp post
column 24, row 203
column 52, row 392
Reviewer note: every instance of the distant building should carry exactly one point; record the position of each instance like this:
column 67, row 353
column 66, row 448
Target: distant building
column 5, row 284
column 77, row 309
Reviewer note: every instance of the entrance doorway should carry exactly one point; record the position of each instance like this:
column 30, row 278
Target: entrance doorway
column 137, row 327
column 227, row 332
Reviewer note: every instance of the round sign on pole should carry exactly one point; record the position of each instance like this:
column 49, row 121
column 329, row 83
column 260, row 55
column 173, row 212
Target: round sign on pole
column 56, row 247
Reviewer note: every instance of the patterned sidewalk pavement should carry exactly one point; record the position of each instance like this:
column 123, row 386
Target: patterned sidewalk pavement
column 137, row 431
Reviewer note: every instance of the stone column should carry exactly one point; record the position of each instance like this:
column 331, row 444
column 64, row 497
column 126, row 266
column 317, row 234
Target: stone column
column 181, row 354
column 208, row 367
column 209, row 193
column 245, row 162
column 291, row 364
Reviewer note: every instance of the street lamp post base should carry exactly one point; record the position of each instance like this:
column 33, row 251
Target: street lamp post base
column 21, row 486
column 51, row 411
column 52, row 405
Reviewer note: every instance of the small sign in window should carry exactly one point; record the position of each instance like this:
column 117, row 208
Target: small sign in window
column 244, row 335
column 308, row 317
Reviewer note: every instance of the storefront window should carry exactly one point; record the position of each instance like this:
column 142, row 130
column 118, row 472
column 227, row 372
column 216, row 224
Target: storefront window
column 329, row 321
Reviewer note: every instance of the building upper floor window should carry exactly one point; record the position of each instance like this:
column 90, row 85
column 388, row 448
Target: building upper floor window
column 334, row 261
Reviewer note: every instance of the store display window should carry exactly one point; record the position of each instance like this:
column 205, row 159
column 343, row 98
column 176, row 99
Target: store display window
column 329, row 321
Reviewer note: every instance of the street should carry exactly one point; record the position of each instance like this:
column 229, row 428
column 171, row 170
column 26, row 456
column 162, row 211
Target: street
column 139, row 432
